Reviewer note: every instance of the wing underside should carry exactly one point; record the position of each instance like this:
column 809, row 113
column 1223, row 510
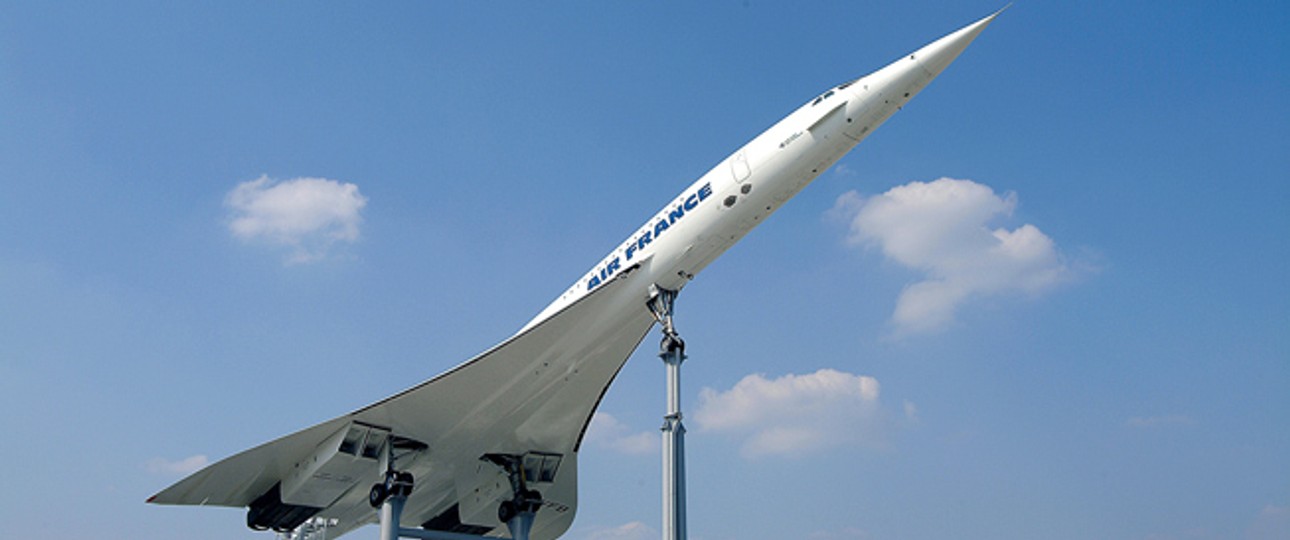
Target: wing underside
column 533, row 394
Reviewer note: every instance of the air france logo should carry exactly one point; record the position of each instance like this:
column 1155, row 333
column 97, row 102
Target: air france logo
column 649, row 235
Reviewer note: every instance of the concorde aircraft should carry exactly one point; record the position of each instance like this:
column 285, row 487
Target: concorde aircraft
column 494, row 442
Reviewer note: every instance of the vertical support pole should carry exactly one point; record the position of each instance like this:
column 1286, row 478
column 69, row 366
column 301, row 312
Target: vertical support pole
column 391, row 511
column 672, row 352
column 392, row 507
column 520, row 525
column 673, row 452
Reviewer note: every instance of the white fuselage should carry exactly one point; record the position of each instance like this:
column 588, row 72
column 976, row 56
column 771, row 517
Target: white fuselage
column 742, row 190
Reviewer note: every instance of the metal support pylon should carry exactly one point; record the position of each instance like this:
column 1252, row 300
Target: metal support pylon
column 672, row 352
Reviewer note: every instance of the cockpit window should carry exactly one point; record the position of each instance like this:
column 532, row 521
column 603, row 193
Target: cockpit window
column 826, row 95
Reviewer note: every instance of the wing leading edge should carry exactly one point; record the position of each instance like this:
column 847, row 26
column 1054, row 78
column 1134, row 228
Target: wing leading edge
column 533, row 393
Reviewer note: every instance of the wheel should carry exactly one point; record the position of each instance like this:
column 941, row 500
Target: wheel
column 506, row 511
column 377, row 496
column 532, row 500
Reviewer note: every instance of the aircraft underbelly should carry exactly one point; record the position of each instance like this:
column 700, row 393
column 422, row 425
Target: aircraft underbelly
column 534, row 392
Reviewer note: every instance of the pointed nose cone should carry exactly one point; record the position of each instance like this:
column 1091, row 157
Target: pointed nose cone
column 938, row 54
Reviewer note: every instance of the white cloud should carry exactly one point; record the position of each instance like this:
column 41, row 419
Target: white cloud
column 941, row 229
column 1273, row 522
column 793, row 414
column 911, row 412
column 307, row 215
column 629, row 531
column 1159, row 421
column 843, row 170
column 182, row 467
column 609, row 432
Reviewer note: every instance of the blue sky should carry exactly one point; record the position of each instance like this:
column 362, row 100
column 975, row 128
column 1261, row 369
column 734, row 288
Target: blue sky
column 467, row 163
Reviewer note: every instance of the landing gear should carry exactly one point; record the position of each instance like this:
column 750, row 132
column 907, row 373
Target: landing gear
column 530, row 502
column 396, row 483
column 661, row 304
column 389, row 495
column 519, row 512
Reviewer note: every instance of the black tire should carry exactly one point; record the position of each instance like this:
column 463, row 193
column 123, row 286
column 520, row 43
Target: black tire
column 506, row 511
column 377, row 496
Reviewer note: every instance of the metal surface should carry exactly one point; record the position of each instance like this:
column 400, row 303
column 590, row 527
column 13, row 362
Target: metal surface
column 662, row 304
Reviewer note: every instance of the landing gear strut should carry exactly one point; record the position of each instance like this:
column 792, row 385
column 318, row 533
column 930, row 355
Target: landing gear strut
column 389, row 495
column 519, row 512
column 396, row 483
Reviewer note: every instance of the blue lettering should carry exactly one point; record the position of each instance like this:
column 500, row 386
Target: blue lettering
column 647, row 236
column 605, row 273
column 675, row 214
column 660, row 227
